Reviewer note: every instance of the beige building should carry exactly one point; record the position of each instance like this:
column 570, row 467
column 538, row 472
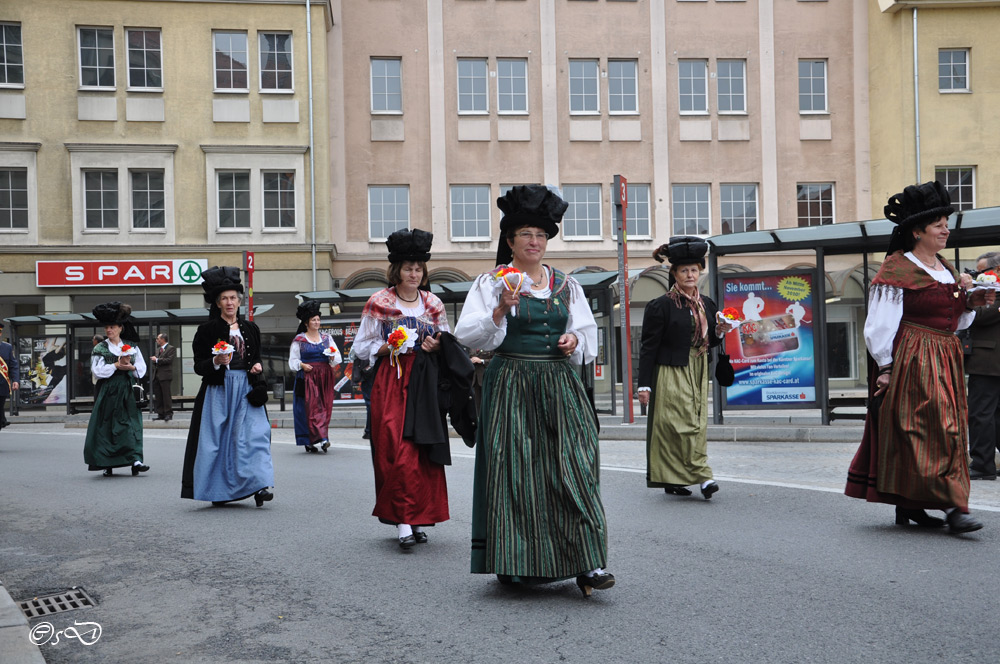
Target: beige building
column 163, row 131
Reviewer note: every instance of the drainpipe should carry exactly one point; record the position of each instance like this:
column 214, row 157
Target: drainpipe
column 312, row 145
column 916, row 94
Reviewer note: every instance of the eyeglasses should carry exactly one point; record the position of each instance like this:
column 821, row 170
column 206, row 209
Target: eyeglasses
column 528, row 236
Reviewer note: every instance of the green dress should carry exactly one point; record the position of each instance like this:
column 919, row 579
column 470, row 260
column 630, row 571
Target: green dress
column 114, row 434
column 536, row 508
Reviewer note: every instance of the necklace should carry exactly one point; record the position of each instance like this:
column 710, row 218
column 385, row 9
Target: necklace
column 400, row 297
column 929, row 265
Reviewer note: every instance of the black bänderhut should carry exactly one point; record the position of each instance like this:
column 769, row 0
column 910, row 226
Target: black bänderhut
column 528, row 205
column 217, row 280
column 406, row 245
column 918, row 203
column 683, row 250
column 305, row 312
column 117, row 313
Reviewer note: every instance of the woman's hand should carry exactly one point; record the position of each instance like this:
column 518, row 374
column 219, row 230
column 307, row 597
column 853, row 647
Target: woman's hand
column 256, row 368
column 568, row 343
column 123, row 364
column 981, row 298
column 643, row 397
column 881, row 383
column 431, row 344
column 965, row 280
column 306, row 367
column 508, row 300
column 223, row 360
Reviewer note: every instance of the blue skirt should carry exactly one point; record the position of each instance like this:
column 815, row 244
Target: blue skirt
column 234, row 443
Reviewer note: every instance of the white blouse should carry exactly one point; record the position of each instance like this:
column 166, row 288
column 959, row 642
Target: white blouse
column 295, row 355
column 369, row 338
column 476, row 329
column 102, row 369
column 885, row 311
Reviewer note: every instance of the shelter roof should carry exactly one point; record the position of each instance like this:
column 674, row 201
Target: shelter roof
column 153, row 316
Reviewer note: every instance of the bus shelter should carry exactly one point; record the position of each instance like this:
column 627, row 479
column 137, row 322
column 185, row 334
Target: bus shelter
column 969, row 228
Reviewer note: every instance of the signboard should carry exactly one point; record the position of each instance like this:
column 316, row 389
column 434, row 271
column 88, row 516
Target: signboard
column 346, row 384
column 43, row 370
column 249, row 267
column 772, row 350
column 162, row 272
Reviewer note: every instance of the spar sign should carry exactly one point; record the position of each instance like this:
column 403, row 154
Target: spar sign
column 163, row 272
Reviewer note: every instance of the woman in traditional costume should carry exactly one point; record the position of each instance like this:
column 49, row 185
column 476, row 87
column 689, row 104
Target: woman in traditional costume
column 914, row 450
column 114, row 433
column 312, row 357
column 537, row 514
column 678, row 329
column 410, row 488
column 228, row 455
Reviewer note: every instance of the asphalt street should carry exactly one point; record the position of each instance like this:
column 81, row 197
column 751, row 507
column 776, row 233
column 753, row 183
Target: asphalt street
column 778, row 567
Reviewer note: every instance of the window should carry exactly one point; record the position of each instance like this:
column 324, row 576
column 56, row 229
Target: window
column 637, row 212
column 732, row 86
column 147, row 200
column 275, row 60
column 97, row 57
column 470, row 212
column 693, row 81
column 583, row 83
column 231, row 61
column 953, row 70
column 13, row 199
column 812, row 86
column 388, row 210
column 623, row 96
column 144, row 59
column 472, row 97
column 512, row 86
column 815, row 204
column 583, row 216
column 739, row 208
column 691, row 209
column 11, row 55
column 279, row 199
column 387, row 86
column 961, row 186
column 234, row 199
column 100, row 190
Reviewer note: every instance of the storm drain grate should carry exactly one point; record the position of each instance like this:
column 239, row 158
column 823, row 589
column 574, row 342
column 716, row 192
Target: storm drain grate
column 46, row 605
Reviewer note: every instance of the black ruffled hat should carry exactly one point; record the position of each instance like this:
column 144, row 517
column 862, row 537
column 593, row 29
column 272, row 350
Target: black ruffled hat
column 407, row 245
column 117, row 313
column 304, row 312
column 528, row 205
column 683, row 250
column 218, row 279
column 918, row 203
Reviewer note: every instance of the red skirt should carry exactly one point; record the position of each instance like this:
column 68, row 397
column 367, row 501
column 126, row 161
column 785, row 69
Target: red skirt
column 409, row 488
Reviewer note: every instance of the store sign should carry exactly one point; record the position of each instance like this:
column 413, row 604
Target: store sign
column 165, row 272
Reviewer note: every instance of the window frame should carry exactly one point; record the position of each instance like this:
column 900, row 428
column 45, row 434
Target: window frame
column 630, row 212
column 957, row 201
column 114, row 174
column 799, row 186
column 680, row 92
column 282, row 196
column 485, row 203
column 132, row 172
column 723, row 201
column 730, row 95
column 483, row 96
column 219, row 228
column 512, row 95
column 371, row 85
column 128, row 61
column 79, row 57
column 826, row 86
column 968, row 71
column 215, row 62
column 698, row 186
column 291, row 64
column 588, row 204
column 6, row 66
column 635, row 85
column 396, row 187
column 7, row 214
column 596, row 63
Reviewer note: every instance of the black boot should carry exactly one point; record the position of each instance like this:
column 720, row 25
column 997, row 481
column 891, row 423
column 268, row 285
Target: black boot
column 961, row 523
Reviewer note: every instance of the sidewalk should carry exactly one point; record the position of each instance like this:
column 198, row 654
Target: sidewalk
column 15, row 646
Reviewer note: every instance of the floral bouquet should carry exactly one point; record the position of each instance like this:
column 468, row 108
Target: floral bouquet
column 730, row 316
column 987, row 279
column 331, row 350
column 400, row 340
column 511, row 279
column 128, row 351
column 222, row 348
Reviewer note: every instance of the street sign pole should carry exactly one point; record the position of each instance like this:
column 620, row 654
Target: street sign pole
column 248, row 267
column 621, row 202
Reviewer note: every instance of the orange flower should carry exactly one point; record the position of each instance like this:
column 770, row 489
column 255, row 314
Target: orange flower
column 731, row 313
column 397, row 338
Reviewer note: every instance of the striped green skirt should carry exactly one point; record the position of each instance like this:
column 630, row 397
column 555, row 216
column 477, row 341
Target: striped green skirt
column 536, row 506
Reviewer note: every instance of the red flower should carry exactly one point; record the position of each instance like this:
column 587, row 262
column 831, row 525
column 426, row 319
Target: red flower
column 731, row 313
column 126, row 348
column 397, row 338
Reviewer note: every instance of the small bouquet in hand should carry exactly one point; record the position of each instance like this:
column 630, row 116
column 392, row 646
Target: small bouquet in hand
column 127, row 352
column 731, row 317
column 331, row 350
column 987, row 279
column 400, row 340
column 222, row 348
column 510, row 279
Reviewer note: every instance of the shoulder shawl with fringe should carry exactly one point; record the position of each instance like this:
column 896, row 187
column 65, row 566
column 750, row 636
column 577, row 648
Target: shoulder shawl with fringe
column 898, row 273
column 382, row 307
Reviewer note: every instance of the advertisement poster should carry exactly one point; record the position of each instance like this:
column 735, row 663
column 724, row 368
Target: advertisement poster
column 43, row 370
column 772, row 348
column 343, row 334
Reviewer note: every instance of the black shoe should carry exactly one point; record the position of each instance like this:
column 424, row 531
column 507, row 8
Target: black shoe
column 420, row 536
column 981, row 475
column 961, row 523
column 311, row 448
column 919, row 517
column 677, row 490
column 139, row 468
column 325, row 446
column 589, row 584
column 219, row 503
column 158, row 417
column 108, row 472
column 262, row 496
column 709, row 490
column 366, row 435
column 168, row 418
column 407, row 542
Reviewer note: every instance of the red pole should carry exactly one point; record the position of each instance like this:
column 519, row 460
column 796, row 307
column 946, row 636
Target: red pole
column 248, row 266
column 628, row 410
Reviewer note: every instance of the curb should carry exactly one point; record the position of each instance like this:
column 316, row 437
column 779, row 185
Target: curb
column 15, row 644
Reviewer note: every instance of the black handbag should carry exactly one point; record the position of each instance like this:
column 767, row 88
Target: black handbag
column 257, row 396
column 139, row 394
column 724, row 374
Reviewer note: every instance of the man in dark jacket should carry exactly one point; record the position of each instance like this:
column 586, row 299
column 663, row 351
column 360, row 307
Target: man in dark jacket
column 9, row 375
column 163, row 374
column 983, row 367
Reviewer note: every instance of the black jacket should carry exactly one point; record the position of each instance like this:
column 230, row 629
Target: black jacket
column 440, row 386
column 666, row 335
column 985, row 331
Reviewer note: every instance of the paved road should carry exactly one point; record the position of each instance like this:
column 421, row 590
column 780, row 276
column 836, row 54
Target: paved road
column 778, row 567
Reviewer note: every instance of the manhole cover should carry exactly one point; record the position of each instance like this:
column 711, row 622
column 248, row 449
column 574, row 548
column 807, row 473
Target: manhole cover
column 46, row 605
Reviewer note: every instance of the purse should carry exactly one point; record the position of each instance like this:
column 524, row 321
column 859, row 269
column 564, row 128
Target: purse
column 139, row 394
column 724, row 374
